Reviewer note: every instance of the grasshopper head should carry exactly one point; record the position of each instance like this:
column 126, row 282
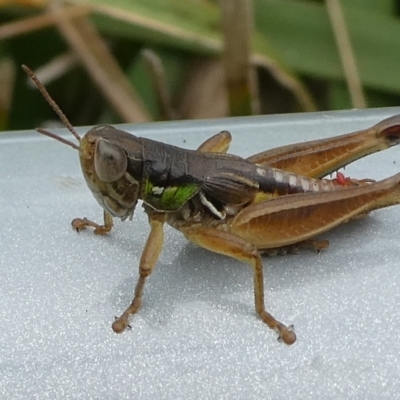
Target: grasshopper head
column 111, row 161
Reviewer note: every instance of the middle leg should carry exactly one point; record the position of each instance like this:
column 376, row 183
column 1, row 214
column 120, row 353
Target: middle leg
column 233, row 246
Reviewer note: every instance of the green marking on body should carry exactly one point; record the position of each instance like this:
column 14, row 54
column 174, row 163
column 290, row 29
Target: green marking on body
column 170, row 198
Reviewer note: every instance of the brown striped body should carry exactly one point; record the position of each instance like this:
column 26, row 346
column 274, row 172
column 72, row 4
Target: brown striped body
column 224, row 203
column 281, row 183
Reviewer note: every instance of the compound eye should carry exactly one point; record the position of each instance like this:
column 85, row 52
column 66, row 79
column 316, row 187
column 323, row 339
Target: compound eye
column 110, row 161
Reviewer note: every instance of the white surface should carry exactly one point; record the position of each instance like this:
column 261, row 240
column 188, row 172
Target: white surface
column 197, row 335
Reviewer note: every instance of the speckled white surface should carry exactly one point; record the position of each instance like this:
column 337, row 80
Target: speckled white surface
column 197, row 335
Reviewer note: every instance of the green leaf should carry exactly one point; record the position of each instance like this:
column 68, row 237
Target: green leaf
column 193, row 27
column 302, row 32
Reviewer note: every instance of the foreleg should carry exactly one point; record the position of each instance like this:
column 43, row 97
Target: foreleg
column 80, row 224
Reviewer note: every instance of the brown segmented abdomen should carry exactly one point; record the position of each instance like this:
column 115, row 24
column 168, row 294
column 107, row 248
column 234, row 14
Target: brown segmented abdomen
column 279, row 182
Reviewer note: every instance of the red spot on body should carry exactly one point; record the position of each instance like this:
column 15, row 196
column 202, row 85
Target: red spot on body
column 341, row 179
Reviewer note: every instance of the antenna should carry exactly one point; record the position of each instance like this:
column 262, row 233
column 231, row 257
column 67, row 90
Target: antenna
column 56, row 108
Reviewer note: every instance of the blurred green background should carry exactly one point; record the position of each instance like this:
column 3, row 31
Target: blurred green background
column 110, row 61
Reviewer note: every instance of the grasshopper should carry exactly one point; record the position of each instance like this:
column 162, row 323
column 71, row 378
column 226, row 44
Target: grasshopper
column 274, row 200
